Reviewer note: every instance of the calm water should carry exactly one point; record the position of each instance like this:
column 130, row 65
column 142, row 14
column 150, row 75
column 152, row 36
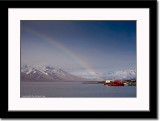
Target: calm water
column 74, row 89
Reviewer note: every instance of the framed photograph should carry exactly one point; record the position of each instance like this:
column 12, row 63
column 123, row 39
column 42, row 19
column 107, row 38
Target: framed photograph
column 80, row 59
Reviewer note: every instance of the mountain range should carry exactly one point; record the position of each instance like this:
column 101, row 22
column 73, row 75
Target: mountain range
column 49, row 73
column 120, row 75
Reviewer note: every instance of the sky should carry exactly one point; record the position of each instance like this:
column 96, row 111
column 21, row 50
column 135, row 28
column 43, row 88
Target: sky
column 79, row 46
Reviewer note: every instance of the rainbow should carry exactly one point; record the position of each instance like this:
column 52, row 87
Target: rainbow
column 64, row 50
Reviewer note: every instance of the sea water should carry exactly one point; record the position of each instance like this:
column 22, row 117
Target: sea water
column 73, row 89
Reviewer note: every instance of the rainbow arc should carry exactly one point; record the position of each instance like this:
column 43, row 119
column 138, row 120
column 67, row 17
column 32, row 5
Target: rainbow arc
column 64, row 50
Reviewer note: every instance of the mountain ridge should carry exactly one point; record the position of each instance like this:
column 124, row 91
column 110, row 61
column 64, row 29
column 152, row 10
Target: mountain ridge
column 47, row 73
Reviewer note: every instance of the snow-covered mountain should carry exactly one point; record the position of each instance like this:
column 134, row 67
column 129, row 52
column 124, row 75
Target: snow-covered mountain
column 121, row 75
column 47, row 73
column 126, row 74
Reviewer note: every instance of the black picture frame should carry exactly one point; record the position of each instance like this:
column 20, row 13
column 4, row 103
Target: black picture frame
column 152, row 114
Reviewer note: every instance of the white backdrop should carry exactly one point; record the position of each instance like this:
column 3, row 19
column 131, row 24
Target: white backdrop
column 141, row 102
